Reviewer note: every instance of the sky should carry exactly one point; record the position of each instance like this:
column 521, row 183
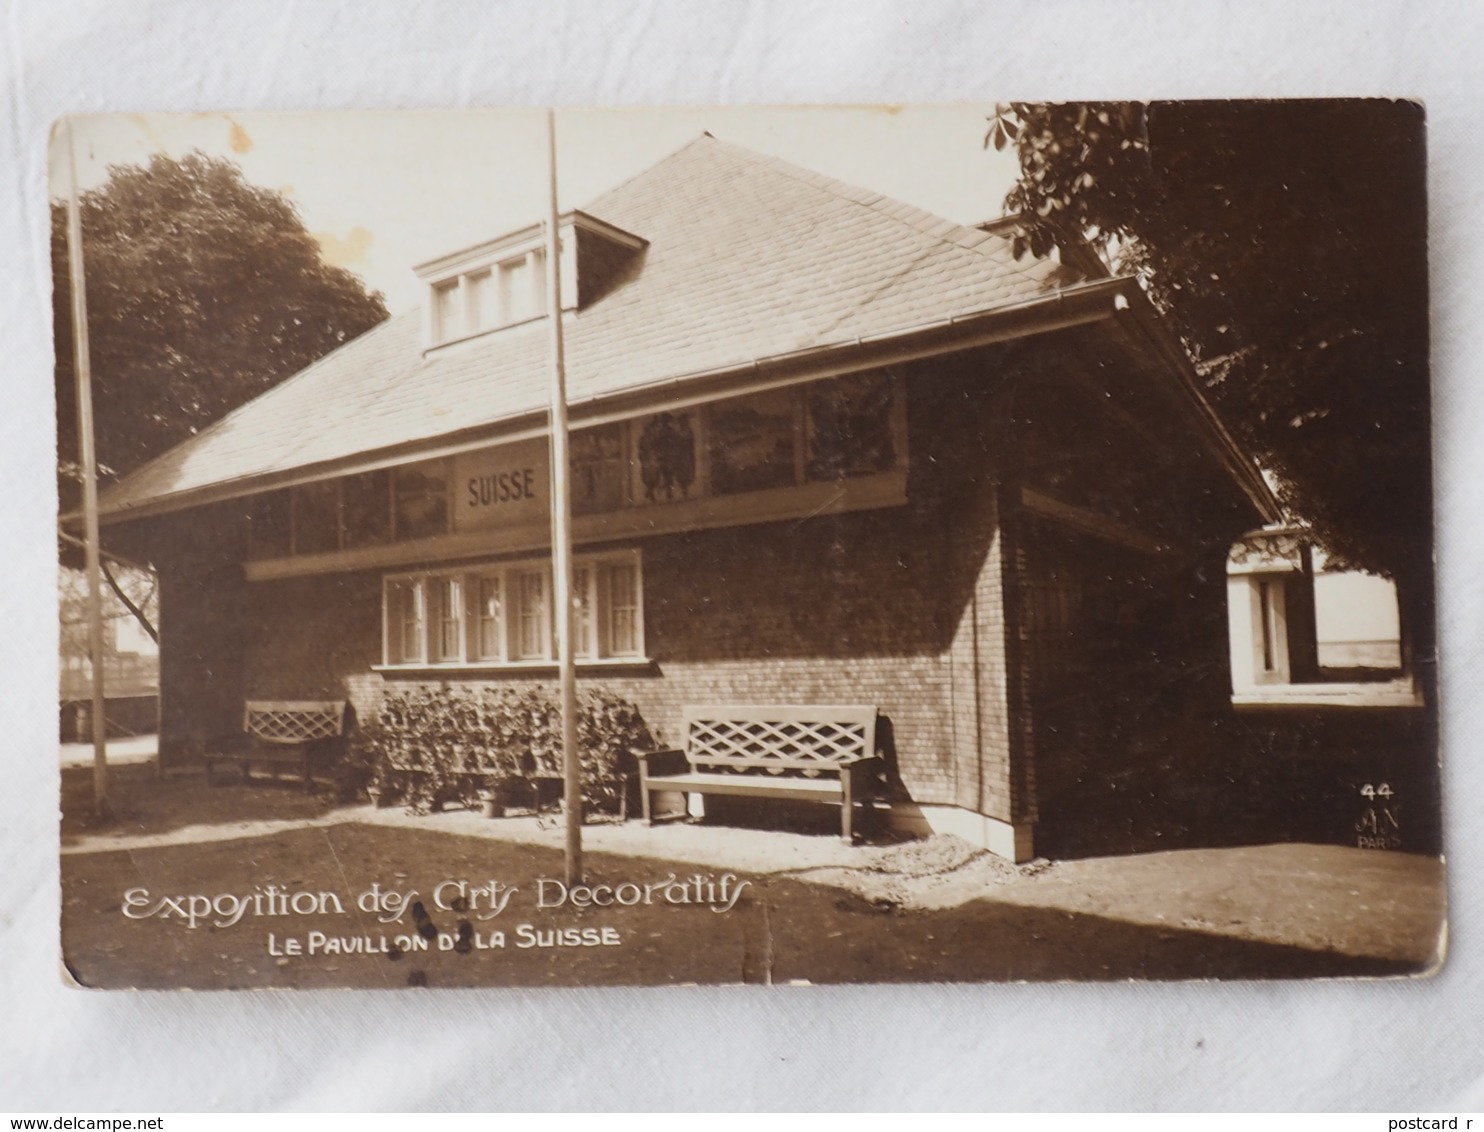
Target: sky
column 384, row 190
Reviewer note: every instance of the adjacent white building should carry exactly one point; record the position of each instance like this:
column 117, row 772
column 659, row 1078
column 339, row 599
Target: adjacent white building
column 1305, row 633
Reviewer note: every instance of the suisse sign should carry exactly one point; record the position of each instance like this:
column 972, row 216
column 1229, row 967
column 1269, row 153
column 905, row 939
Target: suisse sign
column 501, row 487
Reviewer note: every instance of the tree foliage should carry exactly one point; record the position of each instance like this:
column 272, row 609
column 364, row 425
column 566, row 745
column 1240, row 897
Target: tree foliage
column 1287, row 243
column 203, row 291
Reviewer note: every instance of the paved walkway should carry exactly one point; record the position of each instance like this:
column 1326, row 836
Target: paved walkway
column 759, row 851
column 138, row 749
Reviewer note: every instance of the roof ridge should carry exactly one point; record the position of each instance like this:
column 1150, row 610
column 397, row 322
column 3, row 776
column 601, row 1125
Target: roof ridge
column 593, row 203
column 916, row 218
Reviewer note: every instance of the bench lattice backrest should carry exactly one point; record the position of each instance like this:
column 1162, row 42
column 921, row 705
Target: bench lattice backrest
column 779, row 738
column 294, row 721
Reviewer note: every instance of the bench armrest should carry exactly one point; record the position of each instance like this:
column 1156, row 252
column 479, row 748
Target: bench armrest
column 665, row 760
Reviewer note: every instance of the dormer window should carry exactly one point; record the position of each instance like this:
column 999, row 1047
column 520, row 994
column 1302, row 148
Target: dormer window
column 484, row 299
column 523, row 287
column 446, row 313
column 502, row 294
column 503, row 282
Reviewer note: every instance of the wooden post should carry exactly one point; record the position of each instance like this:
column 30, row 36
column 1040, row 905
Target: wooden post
column 561, row 522
column 87, row 457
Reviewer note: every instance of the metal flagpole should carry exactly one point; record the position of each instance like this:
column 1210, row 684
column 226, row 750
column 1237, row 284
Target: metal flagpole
column 88, row 458
column 561, row 522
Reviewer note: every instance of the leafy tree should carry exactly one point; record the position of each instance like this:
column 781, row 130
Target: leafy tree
column 139, row 586
column 1287, row 244
column 203, row 291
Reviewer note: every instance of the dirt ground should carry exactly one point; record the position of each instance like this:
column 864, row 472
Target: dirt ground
column 812, row 910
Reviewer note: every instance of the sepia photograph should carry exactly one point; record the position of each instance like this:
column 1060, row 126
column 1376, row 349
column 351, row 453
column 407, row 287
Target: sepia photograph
column 746, row 545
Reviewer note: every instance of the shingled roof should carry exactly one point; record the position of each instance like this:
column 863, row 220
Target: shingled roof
column 749, row 258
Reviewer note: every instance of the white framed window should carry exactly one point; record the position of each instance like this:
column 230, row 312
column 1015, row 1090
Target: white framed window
column 1267, row 614
column 501, row 614
column 446, row 601
column 484, row 300
column 532, row 622
column 519, row 299
column 488, row 642
column 405, row 625
column 621, row 608
column 448, row 321
column 582, row 610
column 489, row 296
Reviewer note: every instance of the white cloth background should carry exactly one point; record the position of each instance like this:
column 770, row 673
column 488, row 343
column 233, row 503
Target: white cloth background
column 1291, row 1045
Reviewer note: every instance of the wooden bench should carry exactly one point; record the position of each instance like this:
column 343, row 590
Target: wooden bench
column 283, row 733
column 795, row 752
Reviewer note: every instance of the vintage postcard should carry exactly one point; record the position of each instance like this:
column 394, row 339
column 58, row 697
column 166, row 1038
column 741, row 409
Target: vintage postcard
column 746, row 545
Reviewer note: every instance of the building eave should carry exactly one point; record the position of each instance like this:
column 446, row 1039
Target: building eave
column 1152, row 335
column 1076, row 305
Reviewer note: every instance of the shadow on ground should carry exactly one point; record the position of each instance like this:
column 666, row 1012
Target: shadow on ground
column 143, row 803
column 1255, row 780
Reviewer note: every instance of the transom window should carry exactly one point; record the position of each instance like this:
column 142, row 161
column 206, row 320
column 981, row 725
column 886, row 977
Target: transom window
column 420, row 500
column 827, row 432
column 489, row 297
column 824, row 432
column 330, row 515
column 502, row 614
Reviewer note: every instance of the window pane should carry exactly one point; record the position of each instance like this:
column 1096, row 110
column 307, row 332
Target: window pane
column 365, row 509
column 269, row 526
column 598, row 469
column 667, row 457
column 446, row 598
column 316, row 517
column 623, row 610
column 447, row 323
column 405, row 622
column 582, row 612
column 489, row 611
column 533, row 624
column 517, row 290
column 753, row 443
column 1265, row 598
column 484, row 301
column 422, row 501
column 538, row 282
column 850, row 426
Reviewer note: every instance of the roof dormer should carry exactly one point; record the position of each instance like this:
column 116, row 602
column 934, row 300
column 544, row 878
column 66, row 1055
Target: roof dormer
column 502, row 282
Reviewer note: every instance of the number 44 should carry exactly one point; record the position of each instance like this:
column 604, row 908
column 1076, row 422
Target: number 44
column 1369, row 791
